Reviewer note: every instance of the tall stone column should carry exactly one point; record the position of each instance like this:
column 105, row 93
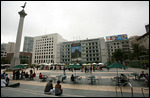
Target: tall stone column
column 16, row 60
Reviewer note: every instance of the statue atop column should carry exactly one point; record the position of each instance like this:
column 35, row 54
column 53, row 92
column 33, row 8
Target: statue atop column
column 16, row 60
column 24, row 5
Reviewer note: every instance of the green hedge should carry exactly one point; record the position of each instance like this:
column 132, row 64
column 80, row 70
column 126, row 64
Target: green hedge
column 136, row 64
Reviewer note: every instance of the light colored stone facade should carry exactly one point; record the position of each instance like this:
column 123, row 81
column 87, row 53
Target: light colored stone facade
column 113, row 45
column 46, row 48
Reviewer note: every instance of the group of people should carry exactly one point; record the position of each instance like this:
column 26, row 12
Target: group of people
column 145, row 76
column 123, row 78
column 44, row 78
column 17, row 75
column 4, row 80
column 49, row 89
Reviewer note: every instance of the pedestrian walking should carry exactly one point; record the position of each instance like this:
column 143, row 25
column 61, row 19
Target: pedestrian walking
column 91, row 70
column 14, row 74
column 85, row 69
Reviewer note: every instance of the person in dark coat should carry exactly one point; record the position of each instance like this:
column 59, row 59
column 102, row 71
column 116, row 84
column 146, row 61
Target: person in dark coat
column 31, row 71
column 72, row 78
column 85, row 69
column 49, row 88
column 17, row 75
column 14, row 74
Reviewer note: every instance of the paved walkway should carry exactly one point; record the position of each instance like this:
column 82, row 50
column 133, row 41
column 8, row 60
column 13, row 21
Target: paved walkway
column 83, row 89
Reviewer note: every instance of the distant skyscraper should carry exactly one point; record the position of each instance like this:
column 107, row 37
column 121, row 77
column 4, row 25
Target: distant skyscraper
column 3, row 46
column 28, row 44
column 3, row 50
column 10, row 47
column 7, row 48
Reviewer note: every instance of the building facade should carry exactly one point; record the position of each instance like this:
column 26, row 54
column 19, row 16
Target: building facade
column 83, row 51
column 3, row 50
column 28, row 44
column 46, row 48
column 10, row 47
column 7, row 48
column 113, row 45
column 132, row 41
column 144, row 40
column 22, row 55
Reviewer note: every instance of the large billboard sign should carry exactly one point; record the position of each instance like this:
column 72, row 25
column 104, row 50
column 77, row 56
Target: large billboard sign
column 116, row 37
column 76, row 52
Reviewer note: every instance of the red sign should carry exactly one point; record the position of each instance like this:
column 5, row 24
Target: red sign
column 75, row 45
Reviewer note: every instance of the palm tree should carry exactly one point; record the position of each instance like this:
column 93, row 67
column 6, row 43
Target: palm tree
column 118, row 55
column 138, row 51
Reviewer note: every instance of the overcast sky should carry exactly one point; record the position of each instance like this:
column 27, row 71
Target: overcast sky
column 74, row 19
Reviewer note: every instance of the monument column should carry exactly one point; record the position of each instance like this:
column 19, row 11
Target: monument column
column 16, row 60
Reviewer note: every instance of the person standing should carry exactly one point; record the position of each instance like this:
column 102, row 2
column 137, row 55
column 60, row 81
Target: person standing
column 94, row 68
column 7, row 79
column 72, row 78
column 31, row 71
column 22, row 74
column 85, row 69
column 55, row 67
column 91, row 70
column 14, row 74
column 17, row 75
column 64, row 68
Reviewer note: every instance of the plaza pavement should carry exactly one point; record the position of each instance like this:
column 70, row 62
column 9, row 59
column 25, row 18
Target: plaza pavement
column 35, row 88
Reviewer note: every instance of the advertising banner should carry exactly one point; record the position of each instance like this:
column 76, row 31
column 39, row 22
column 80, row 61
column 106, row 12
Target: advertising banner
column 76, row 52
column 117, row 37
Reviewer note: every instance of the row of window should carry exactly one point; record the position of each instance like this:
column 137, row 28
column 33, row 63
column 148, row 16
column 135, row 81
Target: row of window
column 92, row 43
column 87, row 55
column 112, row 47
column 88, row 59
column 117, row 43
column 43, row 61
column 116, row 49
column 44, row 56
column 3, row 55
column 44, row 39
column 43, row 45
column 38, row 50
column 43, row 53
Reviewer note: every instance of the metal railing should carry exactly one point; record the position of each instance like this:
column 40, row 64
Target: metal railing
column 121, row 89
column 143, row 91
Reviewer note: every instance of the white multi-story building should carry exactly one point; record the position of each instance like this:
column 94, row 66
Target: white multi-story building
column 46, row 48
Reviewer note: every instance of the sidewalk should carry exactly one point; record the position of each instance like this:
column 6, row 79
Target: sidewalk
column 104, row 89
